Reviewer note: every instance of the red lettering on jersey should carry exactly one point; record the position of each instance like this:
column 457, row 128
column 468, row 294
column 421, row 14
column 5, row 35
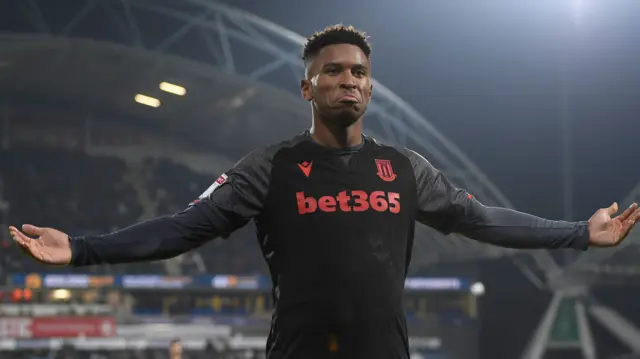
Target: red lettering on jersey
column 305, row 205
column 327, row 204
column 378, row 201
column 394, row 202
column 343, row 200
column 385, row 171
column 361, row 201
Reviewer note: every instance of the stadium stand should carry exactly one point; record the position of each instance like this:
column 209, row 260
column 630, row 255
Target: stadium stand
column 83, row 194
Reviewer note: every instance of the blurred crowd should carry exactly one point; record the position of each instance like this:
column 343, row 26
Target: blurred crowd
column 86, row 195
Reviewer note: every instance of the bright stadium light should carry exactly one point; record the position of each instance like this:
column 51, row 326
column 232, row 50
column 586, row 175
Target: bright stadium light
column 477, row 289
column 148, row 101
column 577, row 11
column 174, row 89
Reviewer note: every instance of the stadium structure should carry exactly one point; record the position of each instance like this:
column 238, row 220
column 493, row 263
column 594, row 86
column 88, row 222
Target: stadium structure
column 240, row 77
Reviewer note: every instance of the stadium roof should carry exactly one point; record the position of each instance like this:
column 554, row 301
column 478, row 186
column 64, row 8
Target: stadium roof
column 226, row 51
column 106, row 76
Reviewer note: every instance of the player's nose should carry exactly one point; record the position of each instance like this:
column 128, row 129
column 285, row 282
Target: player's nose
column 347, row 80
column 348, row 85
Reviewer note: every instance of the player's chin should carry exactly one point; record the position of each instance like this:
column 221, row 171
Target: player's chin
column 347, row 117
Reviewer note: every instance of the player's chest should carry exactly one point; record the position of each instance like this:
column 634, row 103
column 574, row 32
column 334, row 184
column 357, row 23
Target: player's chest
column 342, row 184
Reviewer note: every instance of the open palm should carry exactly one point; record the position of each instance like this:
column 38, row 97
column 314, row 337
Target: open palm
column 608, row 231
column 50, row 246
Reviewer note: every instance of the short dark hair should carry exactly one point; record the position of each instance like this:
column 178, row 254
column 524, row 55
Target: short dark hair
column 333, row 35
column 175, row 341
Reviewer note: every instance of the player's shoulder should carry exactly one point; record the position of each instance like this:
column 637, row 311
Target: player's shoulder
column 420, row 165
column 405, row 152
column 263, row 156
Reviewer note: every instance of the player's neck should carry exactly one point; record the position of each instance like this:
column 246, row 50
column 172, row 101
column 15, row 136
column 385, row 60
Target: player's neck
column 336, row 136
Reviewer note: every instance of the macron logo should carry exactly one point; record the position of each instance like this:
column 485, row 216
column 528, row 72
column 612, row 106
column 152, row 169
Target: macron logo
column 305, row 167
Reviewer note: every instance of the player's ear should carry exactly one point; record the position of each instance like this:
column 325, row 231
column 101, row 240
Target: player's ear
column 306, row 90
column 370, row 92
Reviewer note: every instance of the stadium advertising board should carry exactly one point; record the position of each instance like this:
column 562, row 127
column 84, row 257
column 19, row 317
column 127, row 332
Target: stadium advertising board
column 57, row 327
column 230, row 282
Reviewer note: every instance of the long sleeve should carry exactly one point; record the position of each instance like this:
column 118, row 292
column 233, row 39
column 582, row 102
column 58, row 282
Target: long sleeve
column 449, row 209
column 228, row 204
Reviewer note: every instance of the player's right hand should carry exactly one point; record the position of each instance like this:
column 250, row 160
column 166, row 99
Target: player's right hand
column 50, row 246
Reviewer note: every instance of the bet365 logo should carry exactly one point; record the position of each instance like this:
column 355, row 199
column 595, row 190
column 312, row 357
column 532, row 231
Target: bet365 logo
column 356, row 201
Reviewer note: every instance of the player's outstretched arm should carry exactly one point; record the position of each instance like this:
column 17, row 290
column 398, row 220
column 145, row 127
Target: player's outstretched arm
column 155, row 239
column 225, row 206
column 449, row 209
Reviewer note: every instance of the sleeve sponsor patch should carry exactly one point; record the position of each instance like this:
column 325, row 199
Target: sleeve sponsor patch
column 222, row 179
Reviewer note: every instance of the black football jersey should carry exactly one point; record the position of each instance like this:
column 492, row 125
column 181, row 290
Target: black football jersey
column 336, row 228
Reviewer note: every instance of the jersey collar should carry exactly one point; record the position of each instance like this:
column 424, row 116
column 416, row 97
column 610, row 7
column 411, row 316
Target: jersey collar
column 355, row 148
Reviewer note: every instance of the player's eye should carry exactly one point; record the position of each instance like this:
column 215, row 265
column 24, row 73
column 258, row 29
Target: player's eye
column 332, row 70
column 360, row 72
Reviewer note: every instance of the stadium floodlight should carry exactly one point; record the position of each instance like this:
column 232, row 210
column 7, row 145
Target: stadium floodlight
column 174, row 89
column 147, row 100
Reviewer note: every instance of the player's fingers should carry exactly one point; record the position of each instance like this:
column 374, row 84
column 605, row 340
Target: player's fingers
column 611, row 210
column 629, row 223
column 23, row 241
column 20, row 238
column 31, row 247
column 26, row 249
column 17, row 236
column 32, row 230
column 628, row 212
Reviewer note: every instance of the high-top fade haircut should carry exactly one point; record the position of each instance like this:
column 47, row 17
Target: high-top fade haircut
column 334, row 35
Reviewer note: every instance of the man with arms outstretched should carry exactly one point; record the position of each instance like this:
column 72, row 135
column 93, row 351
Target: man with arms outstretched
column 335, row 212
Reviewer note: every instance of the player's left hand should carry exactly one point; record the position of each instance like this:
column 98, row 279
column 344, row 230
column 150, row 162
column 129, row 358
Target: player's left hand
column 608, row 231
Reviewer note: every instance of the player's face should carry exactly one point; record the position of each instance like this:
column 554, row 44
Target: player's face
column 338, row 83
